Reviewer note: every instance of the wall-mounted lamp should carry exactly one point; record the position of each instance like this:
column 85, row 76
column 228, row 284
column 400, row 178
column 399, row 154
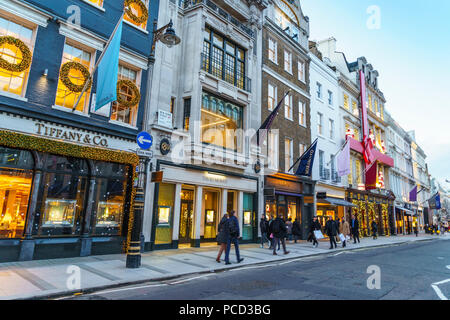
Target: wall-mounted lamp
column 45, row 73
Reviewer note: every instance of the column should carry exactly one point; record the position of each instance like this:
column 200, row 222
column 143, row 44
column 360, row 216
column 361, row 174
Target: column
column 224, row 202
column 197, row 216
column 176, row 215
column 240, row 211
column 86, row 241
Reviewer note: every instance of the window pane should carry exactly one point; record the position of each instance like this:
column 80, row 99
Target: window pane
column 218, row 40
column 137, row 11
column 120, row 112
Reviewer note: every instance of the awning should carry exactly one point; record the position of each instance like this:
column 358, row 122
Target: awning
column 406, row 210
column 289, row 194
column 337, row 202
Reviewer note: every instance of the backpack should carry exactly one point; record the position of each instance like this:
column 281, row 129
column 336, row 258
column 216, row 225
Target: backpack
column 276, row 228
column 234, row 229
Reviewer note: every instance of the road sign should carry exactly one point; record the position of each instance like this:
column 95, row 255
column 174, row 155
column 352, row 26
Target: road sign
column 144, row 140
column 144, row 153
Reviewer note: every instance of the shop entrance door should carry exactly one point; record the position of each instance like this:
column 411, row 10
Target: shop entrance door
column 186, row 216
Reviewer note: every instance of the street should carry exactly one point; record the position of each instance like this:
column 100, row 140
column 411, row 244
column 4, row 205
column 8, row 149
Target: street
column 407, row 272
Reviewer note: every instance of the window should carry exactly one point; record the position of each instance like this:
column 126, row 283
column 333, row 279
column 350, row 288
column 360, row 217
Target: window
column 331, row 122
column 65, row 97
column 272, row 50
column 223, row 59
column 14, row 82
column 288, row 155
column 288, row 107
column 271, row 97
column 284, row 22
column 321, row 162
column 121, row 112
column 301, row 71
column 355, row 110
column 319, row 123
column 138, row 12
column 333, row 165
column 375, row 107
column 301, row 113
column 288, row 61
column 358, row 171
column 356, row 133
column 186, row 113
column 370, row 102
column 319, row 90
column 97, row 2
column 301, row 149
column 346, row 104
column 330, row 98
column 219, row 121
column 272, row 150
column 351, row 175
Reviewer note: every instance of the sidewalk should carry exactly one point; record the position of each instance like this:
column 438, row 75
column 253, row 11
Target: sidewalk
column 45, row 278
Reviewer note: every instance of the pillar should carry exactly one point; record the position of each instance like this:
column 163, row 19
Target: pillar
column 197, row 216
column 86, row 241
column 224, row 202
column 176, row 215
column 240, row 211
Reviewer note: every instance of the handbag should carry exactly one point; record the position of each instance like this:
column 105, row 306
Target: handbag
column 318, row 234
column 271, row 236
column 342, row 237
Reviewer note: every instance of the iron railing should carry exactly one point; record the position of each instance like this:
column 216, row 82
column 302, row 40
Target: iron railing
column 335, row 177
column 324, row 174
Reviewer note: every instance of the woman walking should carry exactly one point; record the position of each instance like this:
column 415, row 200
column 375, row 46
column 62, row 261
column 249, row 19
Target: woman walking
column 345, row 230
column 222, row 236
column 296, row 230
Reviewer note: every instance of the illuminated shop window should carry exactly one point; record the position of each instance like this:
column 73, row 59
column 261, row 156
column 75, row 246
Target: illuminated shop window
column 15, row 184
column 64, row 96
column 220, row 121
column 211, row 211
column 164, row 218
column 14, row 82
column 124, row 113
column 62, row 196
column 137, row 12
column 109, row 198
column 97, row 2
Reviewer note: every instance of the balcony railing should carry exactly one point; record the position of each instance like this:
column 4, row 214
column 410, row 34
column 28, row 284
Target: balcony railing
column 324, row 174
column 335, row 177
column 186, row 4
column 225, row 72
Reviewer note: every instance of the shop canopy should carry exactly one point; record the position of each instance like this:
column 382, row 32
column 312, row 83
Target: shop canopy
column 336, row 202
column 406, row 210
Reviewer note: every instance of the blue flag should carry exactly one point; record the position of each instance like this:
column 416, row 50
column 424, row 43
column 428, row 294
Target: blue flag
column 438, row 201
column 108, row 70
column 307, row 161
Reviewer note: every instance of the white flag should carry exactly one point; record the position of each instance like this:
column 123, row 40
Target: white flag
column 343, row 161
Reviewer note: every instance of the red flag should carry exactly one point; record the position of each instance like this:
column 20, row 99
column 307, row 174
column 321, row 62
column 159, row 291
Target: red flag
column 371, row 177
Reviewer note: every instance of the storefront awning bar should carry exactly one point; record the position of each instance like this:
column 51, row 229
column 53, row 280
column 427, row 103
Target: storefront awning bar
column 338, row 202
column 289, row 194
column 404, row 209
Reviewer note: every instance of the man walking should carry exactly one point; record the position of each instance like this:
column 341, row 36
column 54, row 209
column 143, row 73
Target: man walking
column 315, row 226
column 355, row 228
column 279, row 234
column 331, row 230
column 264, row 227
column 233, row 237
column 374, row 230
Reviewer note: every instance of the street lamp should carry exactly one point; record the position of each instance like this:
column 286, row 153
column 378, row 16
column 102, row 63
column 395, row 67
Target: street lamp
column 170, row 39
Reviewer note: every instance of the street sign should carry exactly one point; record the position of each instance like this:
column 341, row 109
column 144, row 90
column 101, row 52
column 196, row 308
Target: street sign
column 157, row 176
column 144, row 153
column 144, row 140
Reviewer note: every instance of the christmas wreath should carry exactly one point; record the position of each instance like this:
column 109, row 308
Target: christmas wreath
column 64, row 76
column 26, row 55
column 136, row 19
column 136, row 94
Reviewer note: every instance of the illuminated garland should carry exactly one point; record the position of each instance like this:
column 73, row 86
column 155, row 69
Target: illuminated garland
column 26, row 55
column 136, row 94
column 361, row 216
column 143, row 17
column 64, row 76
column 384, row 212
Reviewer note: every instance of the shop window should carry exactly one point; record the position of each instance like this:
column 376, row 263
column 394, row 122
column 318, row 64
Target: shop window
column 221, row 122
column 164, row 213
column 97, row 2
column 62, row 196
column 137, row 12
column 248, row 217
column 109, row 198
column 211, row 206
column 120, row 112
column 15, row 184
column 14, row 82
column 64, row 96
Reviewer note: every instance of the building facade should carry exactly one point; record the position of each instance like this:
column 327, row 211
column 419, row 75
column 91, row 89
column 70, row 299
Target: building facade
column 206, row 100
column 67, row 173
column 285, row 73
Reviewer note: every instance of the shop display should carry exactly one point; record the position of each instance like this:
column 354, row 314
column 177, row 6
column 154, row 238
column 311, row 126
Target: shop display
column 109, row 214
column 59, row 213
column 163, row 215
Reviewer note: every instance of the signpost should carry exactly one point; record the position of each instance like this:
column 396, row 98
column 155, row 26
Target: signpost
column 144, row 140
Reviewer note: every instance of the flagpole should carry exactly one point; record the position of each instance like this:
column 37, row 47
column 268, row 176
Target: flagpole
column 302, row 155
column 98, row 62
column 342, row 147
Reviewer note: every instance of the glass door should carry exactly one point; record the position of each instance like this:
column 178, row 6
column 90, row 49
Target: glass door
column 186, row 216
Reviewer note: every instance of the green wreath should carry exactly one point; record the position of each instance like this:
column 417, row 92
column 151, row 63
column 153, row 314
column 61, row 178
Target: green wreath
column 64, row 76
column 23, row 48
column 138, row 20
column 136, row 93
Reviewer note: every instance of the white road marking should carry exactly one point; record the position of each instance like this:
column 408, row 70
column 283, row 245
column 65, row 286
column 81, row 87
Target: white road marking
column 125, row 289
column 190, row 279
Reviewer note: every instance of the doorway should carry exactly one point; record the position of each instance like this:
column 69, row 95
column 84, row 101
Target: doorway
column 186, row 216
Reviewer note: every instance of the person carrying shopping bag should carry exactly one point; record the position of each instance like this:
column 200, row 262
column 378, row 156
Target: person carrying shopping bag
column 222, row 236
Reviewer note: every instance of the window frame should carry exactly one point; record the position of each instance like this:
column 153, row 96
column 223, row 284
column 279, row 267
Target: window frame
column 291, row 154
column 275, row 49
column 319, row 90
column 273, row 137
column 301, row 70
column 290, row 115
column 319, row 123
column 302, row 113
column 269, row 98
column 289, row 54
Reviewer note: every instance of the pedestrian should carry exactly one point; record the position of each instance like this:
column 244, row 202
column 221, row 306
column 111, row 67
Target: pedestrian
column 279, row 234
column 264, row 227
column 374, row 230
column 296, row 230
column 354, row 225
column 233, row 237
column 345, row 230
column 416, row 230
column 331, row 231
column 289, row 229
column 222, row 236
column 315, row 226
column 338, row 226
column 269, row 232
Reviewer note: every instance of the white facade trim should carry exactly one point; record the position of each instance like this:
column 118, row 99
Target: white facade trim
column 24, row 11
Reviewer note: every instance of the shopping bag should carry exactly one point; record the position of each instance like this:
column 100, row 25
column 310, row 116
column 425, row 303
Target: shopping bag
column 271, row 236
column 342, row 237
column 318, row 234
column 347, row 238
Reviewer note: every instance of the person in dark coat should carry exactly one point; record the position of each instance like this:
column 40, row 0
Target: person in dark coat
column 222, row 236
column 233, row 237
column 279, row 231
column 296, row 230
column 354, row 227
column 264, row 227
column 374, row 229
column 315, row 226
column 331, row 230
